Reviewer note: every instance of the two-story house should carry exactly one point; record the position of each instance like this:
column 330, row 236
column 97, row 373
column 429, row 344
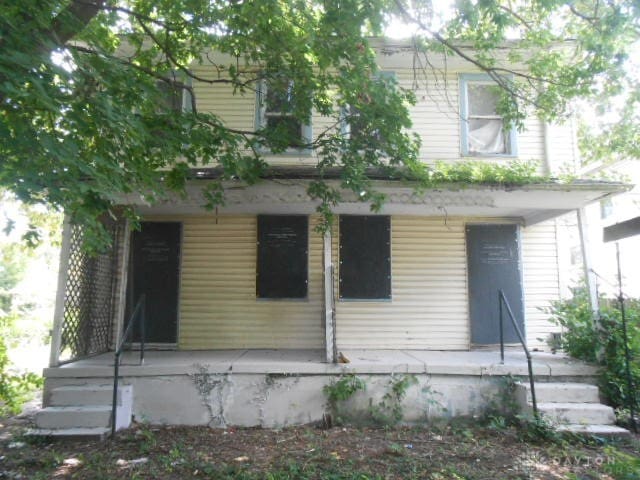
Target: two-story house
column 249, row 311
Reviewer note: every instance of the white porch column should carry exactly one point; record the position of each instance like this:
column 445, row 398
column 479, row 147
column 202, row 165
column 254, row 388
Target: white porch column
column 63, row 272
column 329, row 301
column 589, row 275
column 122, row 273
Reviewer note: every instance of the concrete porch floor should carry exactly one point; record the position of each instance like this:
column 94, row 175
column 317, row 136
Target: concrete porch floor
column 309, row 362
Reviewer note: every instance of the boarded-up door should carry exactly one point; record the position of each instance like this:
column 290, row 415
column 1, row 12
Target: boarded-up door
column 493, row 258
column 155, row 265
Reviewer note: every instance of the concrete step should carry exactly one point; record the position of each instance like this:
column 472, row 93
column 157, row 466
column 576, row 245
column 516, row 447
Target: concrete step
column 578, row 413
column 76, row 395
column 608, row 431
column 83, row 416
column 558, row 392
column 91, row 433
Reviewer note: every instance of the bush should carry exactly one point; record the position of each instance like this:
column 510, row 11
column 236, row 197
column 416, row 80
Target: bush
column 15, row 388
column 605, row 345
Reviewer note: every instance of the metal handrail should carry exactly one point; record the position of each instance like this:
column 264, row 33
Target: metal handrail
column 138, row 314
column 502, row 300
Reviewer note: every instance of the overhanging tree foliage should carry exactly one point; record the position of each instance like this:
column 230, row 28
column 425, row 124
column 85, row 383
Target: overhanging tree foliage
column 84, row 117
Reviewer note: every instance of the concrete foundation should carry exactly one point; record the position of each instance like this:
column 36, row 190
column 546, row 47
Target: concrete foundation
column 280, row 388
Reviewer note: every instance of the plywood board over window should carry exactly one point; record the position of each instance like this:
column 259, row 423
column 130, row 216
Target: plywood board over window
column 283, row 248
column 365, row 257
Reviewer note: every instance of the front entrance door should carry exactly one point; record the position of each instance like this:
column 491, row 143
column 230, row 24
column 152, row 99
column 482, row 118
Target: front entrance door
column 493, row 259
column 155, row 268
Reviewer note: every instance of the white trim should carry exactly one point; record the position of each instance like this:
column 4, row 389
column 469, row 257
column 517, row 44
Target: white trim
column 123, row 277
column 510, row 135
column 63, row 273
column 329, row 300
column 261, row 121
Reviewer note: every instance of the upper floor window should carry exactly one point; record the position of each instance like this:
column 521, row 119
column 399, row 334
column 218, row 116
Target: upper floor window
column 354, row 125
column 175, row 94
column 483, row 129
column 606, row 207
column 276, row 105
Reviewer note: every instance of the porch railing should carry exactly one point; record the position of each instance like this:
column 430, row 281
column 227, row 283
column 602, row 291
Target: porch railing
column 138, row 315
column 503, row 304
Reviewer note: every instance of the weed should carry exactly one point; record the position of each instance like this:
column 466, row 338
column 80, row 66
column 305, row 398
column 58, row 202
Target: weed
column 538, row 430
column 602, row 342
column 389, row 410
column 148, row 439
column 621, row 465
column 341, row 390
column 502, row 407
column 431, row 403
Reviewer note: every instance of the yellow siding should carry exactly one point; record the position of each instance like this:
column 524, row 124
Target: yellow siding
column 218, row 305
column 237, row 111
column 541, row 281
column 562, row 147
column 435, row 116
column 428, row 309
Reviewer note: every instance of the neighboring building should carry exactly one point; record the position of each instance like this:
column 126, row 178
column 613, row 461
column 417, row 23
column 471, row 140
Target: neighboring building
column 603, row 257
column 252, row 294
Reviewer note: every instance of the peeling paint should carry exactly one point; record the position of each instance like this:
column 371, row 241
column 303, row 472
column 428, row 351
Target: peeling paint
column 214, row 390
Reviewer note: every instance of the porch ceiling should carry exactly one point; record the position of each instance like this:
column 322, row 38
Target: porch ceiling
column 530, row 203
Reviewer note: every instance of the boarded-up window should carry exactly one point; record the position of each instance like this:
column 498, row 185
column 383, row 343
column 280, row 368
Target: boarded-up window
column 365, row 257
column 282, row 267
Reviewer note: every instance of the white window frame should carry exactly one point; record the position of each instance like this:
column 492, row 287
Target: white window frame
column 181, row 82
column 510, row 134
column 345, row 125
column 262, row 115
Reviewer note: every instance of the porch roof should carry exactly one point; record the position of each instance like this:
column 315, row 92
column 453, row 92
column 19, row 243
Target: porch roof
column 284, row 191
column 309, row 362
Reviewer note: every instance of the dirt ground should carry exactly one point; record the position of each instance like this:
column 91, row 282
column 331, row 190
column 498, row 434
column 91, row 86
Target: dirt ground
column 456, row 451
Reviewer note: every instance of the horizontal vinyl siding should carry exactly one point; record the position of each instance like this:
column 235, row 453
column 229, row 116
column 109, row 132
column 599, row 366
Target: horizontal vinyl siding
column 541, row 280
column 428, row 309
column 436, row 119
column 218, row 305
column 236, row 111
column 563, row 148
column 436, row 115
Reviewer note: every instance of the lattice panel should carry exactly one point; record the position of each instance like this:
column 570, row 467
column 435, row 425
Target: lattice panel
column 89, row 304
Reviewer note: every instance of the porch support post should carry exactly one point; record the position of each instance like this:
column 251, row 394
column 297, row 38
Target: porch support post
column 329, row 301
column 122, row 278
column 589, row 275
column 58, row 313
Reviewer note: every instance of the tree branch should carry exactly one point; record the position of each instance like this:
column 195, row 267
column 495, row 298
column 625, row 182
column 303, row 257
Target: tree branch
column 72, row 20
column 182, row 68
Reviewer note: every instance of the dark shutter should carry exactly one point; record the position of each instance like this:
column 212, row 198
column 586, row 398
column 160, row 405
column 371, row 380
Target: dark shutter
column 365, row 257
column 282, row 256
